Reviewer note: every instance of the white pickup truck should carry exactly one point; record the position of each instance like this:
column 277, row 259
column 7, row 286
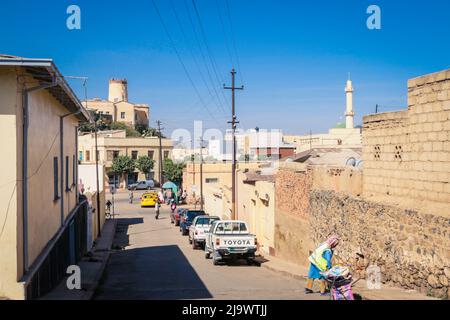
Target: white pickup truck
column 197, row 229
column 229, row 239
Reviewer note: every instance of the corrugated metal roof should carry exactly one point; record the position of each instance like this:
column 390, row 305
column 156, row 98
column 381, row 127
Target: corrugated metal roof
column 44, row 71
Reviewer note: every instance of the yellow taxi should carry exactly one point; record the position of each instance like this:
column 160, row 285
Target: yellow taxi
column 149, row 199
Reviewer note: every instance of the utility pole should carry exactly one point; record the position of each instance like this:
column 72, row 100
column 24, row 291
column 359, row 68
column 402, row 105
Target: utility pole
column 193, row 179
column 201, row 173
column 376, row 108
column 233, row 123
column 158, row 123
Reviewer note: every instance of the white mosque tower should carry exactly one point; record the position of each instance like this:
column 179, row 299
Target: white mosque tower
column 349, row 114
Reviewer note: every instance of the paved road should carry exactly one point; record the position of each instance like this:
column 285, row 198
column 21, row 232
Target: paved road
column 158, row 263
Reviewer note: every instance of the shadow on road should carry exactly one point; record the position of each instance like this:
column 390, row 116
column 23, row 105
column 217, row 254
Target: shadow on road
column 121, row 238
column 159, row 272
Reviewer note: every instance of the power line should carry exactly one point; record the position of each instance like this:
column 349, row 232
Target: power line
column 230, row 55
column 197, row 38
column 179, row 58
column 209, row 51
column 195, row 59
column 234, row 39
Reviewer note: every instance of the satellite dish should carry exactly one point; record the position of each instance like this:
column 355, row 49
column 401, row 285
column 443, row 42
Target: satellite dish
column 360, row 164
column 351, row 162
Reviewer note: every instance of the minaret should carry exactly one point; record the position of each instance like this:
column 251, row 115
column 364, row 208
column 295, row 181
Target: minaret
column 349, row 110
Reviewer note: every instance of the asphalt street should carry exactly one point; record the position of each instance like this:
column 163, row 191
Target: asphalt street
column 152, row 260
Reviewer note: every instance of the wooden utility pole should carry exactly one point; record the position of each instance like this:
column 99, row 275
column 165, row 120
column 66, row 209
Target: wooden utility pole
column 201, row 173
column 233, row 123
column 158, row 123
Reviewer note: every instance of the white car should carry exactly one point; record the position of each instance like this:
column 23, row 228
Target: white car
column 142, row 185
column 197, row 229
column 230, row 239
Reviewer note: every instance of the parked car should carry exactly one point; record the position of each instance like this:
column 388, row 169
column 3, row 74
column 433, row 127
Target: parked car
column 230, row 239
column 175, row 216
column 187, row 218
column 149, row 199
column 142, row 185
column 198, row 228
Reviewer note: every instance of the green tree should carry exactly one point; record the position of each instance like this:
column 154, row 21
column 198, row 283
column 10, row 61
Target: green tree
column 173, row 171
column 144, row 164
column 151, row 132
column 123, row 165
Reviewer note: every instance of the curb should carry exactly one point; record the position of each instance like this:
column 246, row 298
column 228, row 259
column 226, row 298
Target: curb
column 94, row 285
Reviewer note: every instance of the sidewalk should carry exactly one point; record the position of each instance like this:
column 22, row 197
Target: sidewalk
column 91, row 268
column 360, row 288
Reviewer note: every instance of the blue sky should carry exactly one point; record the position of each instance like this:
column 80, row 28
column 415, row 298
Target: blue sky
column 294, row 55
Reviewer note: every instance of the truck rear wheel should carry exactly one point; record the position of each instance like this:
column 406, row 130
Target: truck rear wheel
column 207, row 255
column 214, row 258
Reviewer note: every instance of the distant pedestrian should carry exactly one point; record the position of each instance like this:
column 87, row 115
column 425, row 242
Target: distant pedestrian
column 157, row 206
column 131, row 196
column 321, row 261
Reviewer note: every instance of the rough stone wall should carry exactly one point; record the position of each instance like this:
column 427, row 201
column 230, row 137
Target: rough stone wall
column 292, row 239
column 412, row 249
column 407, row 154
column 292, row 191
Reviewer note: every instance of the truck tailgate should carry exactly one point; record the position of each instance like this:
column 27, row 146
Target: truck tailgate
column 237, row 241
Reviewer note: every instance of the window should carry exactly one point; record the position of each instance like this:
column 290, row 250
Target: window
column 97, row 155
column 150, row 154
column 211, row 180
column 67, row 174
column 122, row 115
column 166, row 154
column 74, row 171
column 231, row 227
column 134, row 155
column 115, row 154
column 107, row 112
column 80, row 155
column 88, row 155
column 55, row 179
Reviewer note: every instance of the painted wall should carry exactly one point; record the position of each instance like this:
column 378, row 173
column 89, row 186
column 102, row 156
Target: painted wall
column 44, row 214
column 10, row 186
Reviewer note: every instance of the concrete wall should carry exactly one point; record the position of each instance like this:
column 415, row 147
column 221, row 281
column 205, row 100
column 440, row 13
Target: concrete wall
column 10, row 186
column 407, row 154
column 44, row 141
column 339, row 179
column 410, row 248
column 44, row 212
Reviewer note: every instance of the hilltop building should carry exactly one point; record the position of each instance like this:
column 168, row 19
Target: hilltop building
column 118, row 108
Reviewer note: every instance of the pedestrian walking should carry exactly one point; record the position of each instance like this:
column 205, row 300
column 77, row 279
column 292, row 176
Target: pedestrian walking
column 321, row 261
column 157, row 207
column 131, row 196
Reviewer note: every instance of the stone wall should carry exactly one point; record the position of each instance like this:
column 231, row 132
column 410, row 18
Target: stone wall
column 411, row 248
column 407, row 154
column 292, row 239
